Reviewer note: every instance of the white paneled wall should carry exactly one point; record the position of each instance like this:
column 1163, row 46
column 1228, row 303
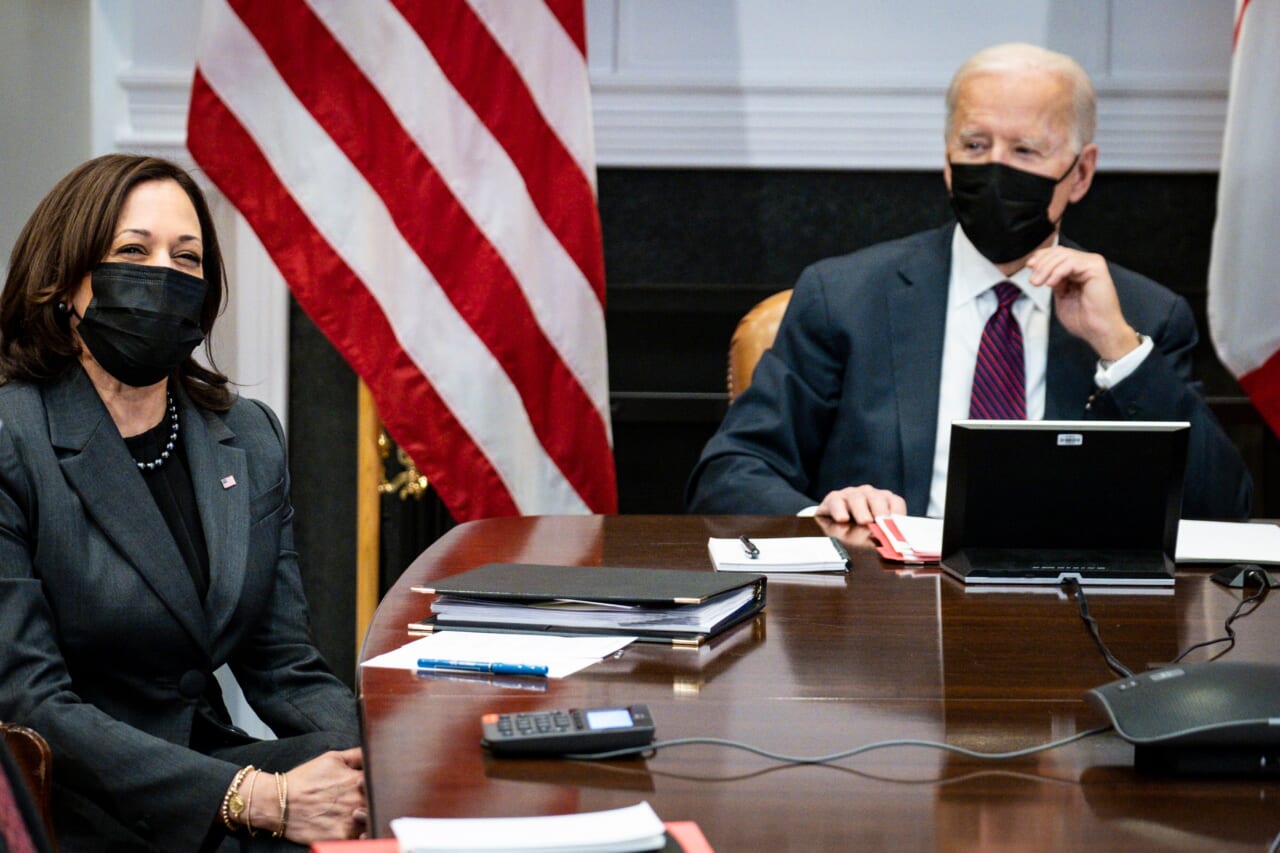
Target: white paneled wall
column 840, row 84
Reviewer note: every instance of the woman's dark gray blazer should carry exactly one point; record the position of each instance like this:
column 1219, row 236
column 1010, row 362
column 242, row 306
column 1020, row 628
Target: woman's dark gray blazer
column 105, row 646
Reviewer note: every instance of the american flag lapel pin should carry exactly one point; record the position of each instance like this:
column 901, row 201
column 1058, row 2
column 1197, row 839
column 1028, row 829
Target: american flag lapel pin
column 228, row 481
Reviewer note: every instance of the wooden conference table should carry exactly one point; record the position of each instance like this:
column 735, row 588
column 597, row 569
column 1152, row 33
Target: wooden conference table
column 884, row 653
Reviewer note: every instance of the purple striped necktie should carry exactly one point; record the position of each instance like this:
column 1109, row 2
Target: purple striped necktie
column 1000, row 376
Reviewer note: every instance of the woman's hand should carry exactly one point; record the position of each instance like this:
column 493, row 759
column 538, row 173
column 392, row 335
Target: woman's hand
column 325, row 799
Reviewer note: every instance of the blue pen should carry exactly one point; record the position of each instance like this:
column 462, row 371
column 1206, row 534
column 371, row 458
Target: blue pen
column 482, row 666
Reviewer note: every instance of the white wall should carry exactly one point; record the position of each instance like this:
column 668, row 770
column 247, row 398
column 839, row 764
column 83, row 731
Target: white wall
column 44, row 101
column 840, row 84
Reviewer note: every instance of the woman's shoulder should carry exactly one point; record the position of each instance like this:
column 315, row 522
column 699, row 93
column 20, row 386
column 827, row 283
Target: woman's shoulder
column 24, row 428
column 248, row 417
column 18, row 390
column 20, row 403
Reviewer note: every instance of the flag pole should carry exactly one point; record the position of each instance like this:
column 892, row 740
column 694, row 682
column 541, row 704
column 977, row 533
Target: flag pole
column 369, row 474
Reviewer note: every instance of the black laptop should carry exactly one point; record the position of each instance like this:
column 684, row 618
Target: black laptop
column 1037, row 502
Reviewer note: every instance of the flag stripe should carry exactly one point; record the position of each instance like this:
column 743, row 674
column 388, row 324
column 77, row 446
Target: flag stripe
column 550, row 63
column 1235, row 31
column 485, row 77
column 302, row 254
column 484, row 181
column 1263, row 387
column 572, row 18
column 453, row 249
column 347, row 213
column 1244, row 301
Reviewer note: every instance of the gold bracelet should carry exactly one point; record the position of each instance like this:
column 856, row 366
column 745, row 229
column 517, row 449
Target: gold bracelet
column 232, row 803
column 282, row 790
column 248, row 806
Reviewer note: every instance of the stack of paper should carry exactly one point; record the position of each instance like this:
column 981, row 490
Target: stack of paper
column 779, row 554
column 908, row 538
column 633, row 828
column 1227, row 542
column 594, row 615
column 651, row 605
column 914, row 539
column 905, row 538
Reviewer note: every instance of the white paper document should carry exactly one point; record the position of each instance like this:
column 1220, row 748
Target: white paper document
column 778, row 554
column 1198, row 541
column 560, row 655
column 613, row 831
column 1227, row 542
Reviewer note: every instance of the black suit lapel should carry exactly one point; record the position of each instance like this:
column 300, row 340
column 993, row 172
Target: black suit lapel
column 98, row 467
column 1068, row 377
column 219, row 475
column 917, row 320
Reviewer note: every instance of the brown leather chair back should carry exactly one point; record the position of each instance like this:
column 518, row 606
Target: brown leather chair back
column 35, row 760
column 755, row 333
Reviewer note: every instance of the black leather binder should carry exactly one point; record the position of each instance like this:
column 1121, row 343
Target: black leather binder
column 654, row 605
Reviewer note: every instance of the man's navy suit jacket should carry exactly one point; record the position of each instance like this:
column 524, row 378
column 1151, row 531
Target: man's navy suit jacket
column 848, row 394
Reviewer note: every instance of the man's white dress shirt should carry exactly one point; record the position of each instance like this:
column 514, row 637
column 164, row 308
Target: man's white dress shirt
column 970, row 303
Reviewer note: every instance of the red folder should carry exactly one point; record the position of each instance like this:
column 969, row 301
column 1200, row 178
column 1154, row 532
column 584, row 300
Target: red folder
column 886, row 534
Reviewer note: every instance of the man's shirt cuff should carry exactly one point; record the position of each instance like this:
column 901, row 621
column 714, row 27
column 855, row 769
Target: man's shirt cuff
column 1111, row 373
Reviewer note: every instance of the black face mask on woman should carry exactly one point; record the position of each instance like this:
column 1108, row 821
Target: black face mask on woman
column 1004, row 211
column 143, row 321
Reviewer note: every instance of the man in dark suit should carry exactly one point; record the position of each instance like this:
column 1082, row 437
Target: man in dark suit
column 850, row 410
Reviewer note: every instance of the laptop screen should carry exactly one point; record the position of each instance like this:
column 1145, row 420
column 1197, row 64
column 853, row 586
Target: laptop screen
column 1103, row 485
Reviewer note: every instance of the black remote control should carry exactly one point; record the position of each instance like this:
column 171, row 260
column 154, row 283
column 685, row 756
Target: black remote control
column 570, row 731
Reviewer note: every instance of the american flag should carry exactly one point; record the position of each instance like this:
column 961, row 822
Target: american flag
column 422, row 173
column 1244, row 300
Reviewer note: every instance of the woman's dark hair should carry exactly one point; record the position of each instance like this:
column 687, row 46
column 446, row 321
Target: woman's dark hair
column 68, row 235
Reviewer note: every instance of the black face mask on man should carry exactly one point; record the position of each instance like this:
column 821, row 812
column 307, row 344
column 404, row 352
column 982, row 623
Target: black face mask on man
column 143, row 321
column 1004, row 211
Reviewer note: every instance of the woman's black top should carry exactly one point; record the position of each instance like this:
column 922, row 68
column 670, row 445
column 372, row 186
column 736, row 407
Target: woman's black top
column 170, row 485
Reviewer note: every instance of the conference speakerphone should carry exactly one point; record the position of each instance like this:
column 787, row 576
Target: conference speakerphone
column 569, row 731
column 1216, row 718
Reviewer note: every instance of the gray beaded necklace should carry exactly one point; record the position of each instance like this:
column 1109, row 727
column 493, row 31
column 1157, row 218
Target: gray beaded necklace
column 170, row 444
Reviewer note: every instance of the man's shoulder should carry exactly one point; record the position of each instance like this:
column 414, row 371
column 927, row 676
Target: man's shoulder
column 874, row 261
column 1127, row 280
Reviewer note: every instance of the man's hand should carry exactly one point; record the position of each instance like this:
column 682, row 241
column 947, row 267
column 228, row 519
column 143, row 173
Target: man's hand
column 1084, row 299
column 861, row 504
column 851, row 536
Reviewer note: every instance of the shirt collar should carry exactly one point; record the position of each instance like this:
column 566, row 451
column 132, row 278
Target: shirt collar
column 972, row 275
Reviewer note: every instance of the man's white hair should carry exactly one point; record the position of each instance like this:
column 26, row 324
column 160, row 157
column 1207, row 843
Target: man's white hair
column 1018, row 57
